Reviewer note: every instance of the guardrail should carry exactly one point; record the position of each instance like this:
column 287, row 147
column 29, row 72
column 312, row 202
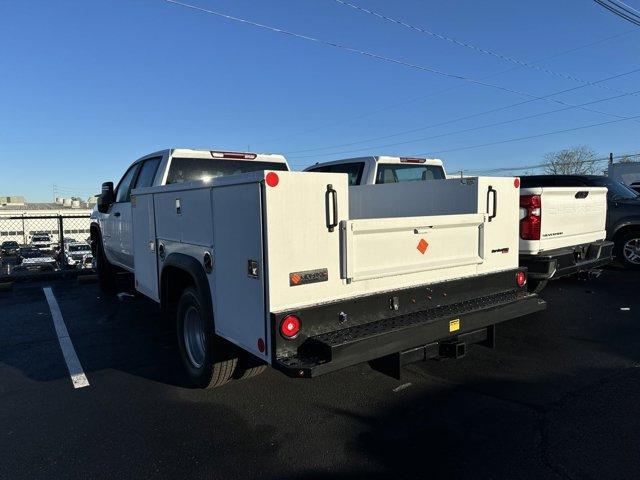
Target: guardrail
column 44, row 244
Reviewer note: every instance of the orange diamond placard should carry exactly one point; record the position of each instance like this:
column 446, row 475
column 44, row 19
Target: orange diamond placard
column 422, row 246
column 295, row 278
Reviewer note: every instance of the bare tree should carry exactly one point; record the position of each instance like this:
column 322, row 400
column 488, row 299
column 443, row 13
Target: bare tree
column 571, row 161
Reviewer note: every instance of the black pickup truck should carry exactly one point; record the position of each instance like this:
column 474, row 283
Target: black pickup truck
column 623, row 210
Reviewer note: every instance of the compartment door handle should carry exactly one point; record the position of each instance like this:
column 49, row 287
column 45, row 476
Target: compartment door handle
column 494, row 210
column 331, row 207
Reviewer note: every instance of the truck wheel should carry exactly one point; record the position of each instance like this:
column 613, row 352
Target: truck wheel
column 536, row 286
column 208, row 360
column 628, row 250
column 248, row 367
column 104, row 270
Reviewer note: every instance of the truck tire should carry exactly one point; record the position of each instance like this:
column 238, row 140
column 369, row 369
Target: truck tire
column 105, row 271
column 536, row 286
column 208, row 360
column 248, row 367
column 628, row 249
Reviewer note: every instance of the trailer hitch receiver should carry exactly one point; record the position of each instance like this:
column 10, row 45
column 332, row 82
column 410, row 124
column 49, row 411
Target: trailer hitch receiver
column 452, row 349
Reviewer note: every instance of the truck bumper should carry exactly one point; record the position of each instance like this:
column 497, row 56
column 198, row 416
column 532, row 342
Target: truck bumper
column 442, row 330
column 567, row 261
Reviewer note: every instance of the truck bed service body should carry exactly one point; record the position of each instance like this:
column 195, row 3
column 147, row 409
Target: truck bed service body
column 302, row 272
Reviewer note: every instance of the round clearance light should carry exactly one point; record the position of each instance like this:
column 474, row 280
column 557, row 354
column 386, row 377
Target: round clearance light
column 290, row 326
column 516, row 182
column 272, row 179
column 521, row 279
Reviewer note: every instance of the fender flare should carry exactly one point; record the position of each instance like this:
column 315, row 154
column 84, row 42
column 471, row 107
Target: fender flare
column 624, row 224
column 194, row 269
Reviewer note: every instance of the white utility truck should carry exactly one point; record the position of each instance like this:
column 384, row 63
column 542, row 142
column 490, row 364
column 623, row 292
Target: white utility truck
column 570, row 240
column 265, row 266
column 562, row 232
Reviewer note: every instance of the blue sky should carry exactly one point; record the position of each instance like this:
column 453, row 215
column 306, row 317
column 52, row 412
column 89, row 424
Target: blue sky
column 88, row 86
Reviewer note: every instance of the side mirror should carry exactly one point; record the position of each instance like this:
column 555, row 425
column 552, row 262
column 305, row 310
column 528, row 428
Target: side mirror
column 106, row 198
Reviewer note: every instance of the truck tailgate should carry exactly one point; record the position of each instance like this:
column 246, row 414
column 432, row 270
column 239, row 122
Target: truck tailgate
column 375, row 248
column 570, row 216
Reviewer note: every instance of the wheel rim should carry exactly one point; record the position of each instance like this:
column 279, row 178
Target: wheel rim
column 193, row 333
column 631, row 251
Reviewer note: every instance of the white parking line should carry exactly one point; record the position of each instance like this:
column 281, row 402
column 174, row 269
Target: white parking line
column 78, row 378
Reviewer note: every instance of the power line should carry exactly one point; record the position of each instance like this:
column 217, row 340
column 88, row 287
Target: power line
column 467, row 45
column 369, row 54
column 542, row 165
column 466, row 130
column 620, row 10
column 448, row 89
column 555, row 132
column 474, row 115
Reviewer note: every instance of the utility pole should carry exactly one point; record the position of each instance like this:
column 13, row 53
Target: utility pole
column 610, row 158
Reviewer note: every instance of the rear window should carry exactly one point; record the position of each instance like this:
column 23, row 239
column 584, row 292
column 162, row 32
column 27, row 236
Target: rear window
column 79, row 248
column 396, row 173
column 193, row 169
column 354, row 170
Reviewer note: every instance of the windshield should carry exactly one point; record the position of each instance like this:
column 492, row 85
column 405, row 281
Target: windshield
column 30, row 253
column 616, row 189
column 395, row 173
column 193, row 169
column 9, row 244
column 79, row 248
column 40, row 239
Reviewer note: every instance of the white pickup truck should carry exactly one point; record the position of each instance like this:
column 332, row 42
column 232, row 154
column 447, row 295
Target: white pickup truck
column 562, row 230
column 265, row 266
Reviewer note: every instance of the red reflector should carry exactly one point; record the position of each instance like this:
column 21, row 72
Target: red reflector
column 412, row 160
column 261, row 345
column 272, row 179
column 290, row 326
column 521, row 279
column 516, row 182
column 234, row 155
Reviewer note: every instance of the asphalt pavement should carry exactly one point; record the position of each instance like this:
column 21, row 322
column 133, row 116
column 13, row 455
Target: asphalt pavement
column 557, row 398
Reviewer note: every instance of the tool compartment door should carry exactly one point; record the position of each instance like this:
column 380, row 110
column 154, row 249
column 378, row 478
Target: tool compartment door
column 382, row 247
column 145, row 260
column 237, row 292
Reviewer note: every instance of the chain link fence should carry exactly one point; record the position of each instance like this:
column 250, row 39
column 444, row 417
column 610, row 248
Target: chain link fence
column 44, row 244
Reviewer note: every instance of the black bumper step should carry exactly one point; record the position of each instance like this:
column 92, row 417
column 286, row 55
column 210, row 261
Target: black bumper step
column 341, row 348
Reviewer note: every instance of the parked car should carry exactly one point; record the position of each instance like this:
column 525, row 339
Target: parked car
column 34, row 260
column 9, row 248
column 623, row 210
column 302, row 272
column 41, row 241
column 635, row 186
column 76, row 255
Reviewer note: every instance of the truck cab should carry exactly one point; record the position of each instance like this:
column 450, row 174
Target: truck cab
column 111, row 227
column 375, row 170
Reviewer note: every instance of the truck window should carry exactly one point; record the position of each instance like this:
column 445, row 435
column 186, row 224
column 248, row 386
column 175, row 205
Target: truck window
column 354, row 170
column 394, row 173
column 148, row 172
column 123, row 192
column 192, row 169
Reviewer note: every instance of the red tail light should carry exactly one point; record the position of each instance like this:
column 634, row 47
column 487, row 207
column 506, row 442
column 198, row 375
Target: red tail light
column 290, row 326
column 530, row 217
column 521, row 278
